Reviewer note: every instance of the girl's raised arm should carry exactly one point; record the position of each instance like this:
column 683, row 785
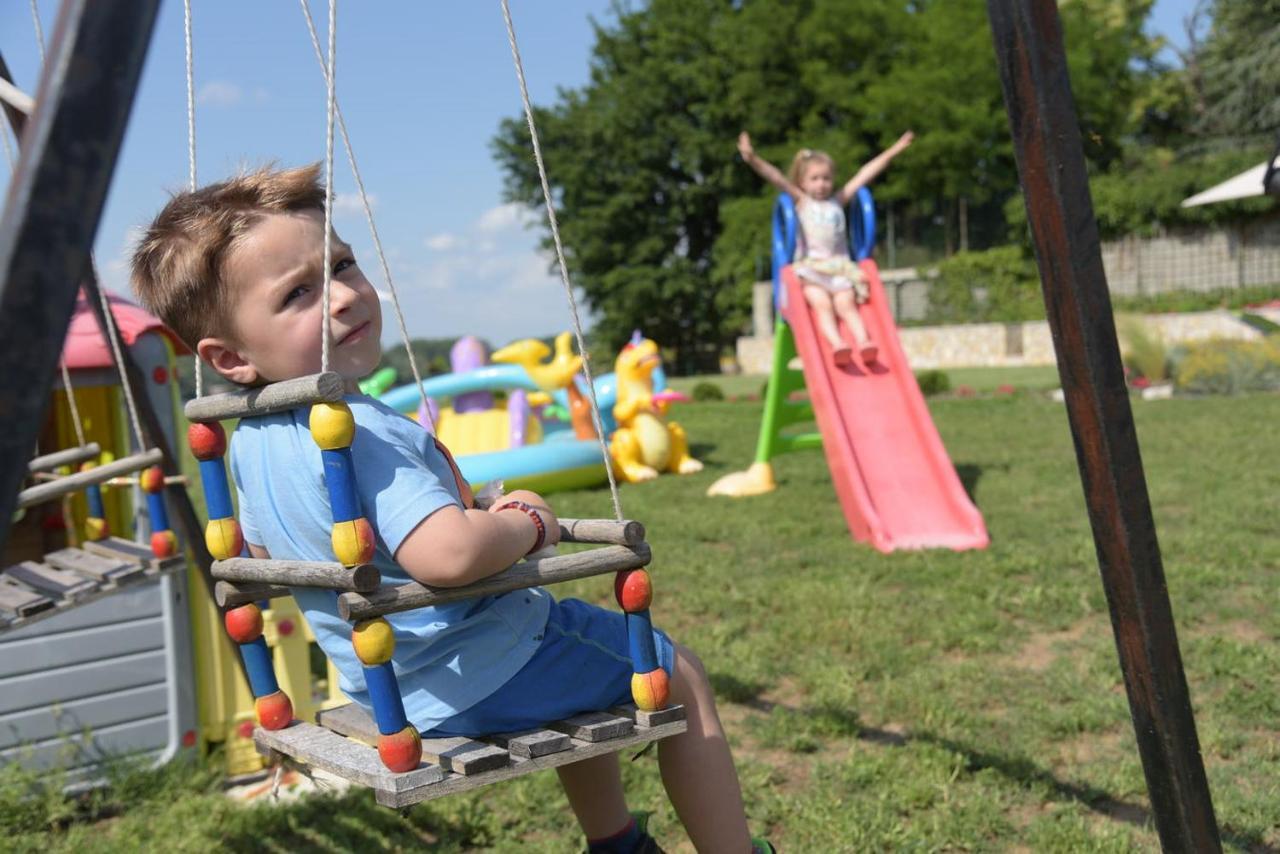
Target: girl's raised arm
column 873, row 167
column 765, row 169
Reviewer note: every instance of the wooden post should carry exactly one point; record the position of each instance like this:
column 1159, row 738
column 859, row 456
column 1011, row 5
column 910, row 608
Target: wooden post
column 1046, row 136
column 55, row 200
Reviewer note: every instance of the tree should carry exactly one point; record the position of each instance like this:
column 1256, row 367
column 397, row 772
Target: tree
column 1240, row 69
column 663, row 227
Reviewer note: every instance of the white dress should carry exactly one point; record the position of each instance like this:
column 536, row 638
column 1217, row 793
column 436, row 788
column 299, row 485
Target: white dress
column 822, row 253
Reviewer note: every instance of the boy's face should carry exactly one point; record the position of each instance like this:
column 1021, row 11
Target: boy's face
column 276, row 277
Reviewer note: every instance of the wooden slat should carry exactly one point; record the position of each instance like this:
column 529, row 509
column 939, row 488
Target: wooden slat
column 603, row 531
column 55, row 583
column 17, row 600
column 594, row 726
column 90, row 565
column 463, row 755
column 650, row 719
column 68, row 457
column 330, row 575
column 402, row 790
column 120, row 548
column 101, row 591
column 531, row 743
column 229, row 594
column 277, row 397
column 531, row 573
column 349, row 720
column 351, row 760
column 72, row 483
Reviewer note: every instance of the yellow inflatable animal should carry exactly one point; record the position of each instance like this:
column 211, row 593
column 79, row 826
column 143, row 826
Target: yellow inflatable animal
column 644, row 444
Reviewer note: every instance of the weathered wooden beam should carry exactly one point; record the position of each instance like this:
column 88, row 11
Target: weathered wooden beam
column 229, row 594
column 77, row 481
column 55, row 199
column 531, row 573
column 1046, row 136
column 330, row 575
column 277, row 397
column 603, row 531
column 69, row 457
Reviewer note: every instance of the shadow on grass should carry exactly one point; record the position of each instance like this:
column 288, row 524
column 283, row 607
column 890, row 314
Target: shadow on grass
column 827, row 722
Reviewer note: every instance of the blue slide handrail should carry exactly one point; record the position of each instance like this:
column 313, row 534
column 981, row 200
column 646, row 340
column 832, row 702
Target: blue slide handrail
column 862, row 233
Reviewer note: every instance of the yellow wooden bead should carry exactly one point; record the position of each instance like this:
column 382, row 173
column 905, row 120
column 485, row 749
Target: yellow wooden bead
column 332, row 425
column 373, row 641
column 223, row 538
column 650, row 690
column 95, row 529
column 353, row 541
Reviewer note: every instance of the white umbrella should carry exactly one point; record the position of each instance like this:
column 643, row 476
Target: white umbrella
column 1242, row 186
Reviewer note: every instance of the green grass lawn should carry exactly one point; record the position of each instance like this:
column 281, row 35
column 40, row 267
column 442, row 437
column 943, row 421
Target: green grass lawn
column 1028, row 378
column 925, row 701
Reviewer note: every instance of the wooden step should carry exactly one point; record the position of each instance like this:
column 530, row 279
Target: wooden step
column 54, row 583
column 19, row 601
column 354, row 760
column 105, row 569
column 118, row 548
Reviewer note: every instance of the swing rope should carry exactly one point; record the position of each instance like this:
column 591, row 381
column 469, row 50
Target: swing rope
column 368, row 214
column 35, row 19
column 330, row 104
column 191, row 145
column 113, row 335
column 564, row 269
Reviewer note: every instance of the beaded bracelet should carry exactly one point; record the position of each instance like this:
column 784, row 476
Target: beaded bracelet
column 533, row 514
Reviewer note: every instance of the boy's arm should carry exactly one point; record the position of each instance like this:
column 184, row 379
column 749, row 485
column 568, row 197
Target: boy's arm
column 872, row 168
column 453, row 547
column 765, row 169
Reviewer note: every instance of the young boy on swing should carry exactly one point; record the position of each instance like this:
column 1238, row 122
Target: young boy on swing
column 237, row 269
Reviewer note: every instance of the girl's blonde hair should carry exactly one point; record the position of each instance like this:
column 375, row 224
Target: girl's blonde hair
column 803, row 158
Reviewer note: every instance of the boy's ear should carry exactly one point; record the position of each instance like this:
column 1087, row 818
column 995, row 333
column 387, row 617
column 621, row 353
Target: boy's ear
column 227, row 361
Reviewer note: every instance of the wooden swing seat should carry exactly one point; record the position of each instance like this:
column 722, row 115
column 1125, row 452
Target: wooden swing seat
column 70, row 577
column 79, row 480
column 339, row 742
column 341, row 745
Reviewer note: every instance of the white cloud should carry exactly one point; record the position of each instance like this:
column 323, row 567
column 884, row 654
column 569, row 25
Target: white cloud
column 219, row 93
column 346, row 204
column 503, row 218
column 442, row 242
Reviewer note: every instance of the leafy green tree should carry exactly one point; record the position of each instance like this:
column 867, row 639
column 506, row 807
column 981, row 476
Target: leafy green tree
column 1240, row 68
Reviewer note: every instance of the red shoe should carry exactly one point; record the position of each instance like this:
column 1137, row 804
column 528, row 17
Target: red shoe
column 842, row 356
column 868, row 351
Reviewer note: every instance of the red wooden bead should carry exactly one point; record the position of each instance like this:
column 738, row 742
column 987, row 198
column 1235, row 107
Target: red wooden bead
column 633, row 590
column 401, row 751
column 207, row 441
column 244, row 624
column 164, row 543
column 275, row 711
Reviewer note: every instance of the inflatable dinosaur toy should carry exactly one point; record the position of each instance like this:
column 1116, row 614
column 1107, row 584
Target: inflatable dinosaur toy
column 644, row 444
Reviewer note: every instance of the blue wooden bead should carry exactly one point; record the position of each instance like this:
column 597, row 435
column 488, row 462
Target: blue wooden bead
column 384, row 691
column 257, row 663
column 340, row 478
column 94, row 493
column 644, row 654
column 217, row 495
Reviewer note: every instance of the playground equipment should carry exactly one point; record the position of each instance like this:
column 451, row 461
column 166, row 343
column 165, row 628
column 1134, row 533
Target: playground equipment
column 55, row 201
column 896, row 485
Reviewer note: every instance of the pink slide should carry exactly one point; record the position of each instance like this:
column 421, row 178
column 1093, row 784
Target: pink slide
column 896, row 484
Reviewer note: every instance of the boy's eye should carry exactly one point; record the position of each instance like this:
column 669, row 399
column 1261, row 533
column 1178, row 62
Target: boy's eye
column 343, row 264
column 294, row 294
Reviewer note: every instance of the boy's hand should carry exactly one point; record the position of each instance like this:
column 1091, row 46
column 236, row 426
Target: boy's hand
column 539, row 504
column 744, row 146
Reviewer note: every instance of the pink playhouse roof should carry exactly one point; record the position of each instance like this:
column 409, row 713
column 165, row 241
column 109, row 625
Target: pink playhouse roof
column 87, row 348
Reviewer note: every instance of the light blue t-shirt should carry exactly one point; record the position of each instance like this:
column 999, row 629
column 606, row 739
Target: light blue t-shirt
column 447, row 657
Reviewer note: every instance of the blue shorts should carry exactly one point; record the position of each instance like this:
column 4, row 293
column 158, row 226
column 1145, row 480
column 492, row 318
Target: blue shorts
column 582, row 665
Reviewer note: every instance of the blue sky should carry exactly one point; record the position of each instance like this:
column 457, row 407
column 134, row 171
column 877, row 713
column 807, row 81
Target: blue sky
column 423, row 87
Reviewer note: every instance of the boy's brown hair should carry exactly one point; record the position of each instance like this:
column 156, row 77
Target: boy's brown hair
column 178, row 263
